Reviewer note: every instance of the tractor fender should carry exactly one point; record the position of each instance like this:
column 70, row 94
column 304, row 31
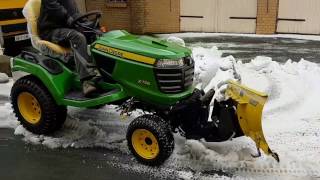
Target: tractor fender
column 57, row 84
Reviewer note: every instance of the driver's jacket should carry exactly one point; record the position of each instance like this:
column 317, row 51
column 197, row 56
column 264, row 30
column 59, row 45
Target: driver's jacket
column 55, row 14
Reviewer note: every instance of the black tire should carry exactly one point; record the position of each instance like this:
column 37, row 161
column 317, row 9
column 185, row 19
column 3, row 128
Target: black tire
column 160, row 130
column 52, row 116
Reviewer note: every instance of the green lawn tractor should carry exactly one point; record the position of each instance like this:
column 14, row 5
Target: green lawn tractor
column 139, row 72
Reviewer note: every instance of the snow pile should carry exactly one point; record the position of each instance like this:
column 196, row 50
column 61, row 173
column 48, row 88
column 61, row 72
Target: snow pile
column 211, row 70
column 4, row 78
column 290, row 121
column 7, row 119
column 75, row 133
column 173, row 39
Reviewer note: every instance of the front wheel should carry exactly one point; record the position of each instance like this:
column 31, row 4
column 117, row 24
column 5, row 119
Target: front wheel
column 150, row 140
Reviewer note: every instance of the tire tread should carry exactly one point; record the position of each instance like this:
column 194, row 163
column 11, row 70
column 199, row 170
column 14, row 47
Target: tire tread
column 162, row 132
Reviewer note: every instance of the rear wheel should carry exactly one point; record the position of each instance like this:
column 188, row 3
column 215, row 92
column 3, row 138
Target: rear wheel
column 35, row 108
column 150, row 140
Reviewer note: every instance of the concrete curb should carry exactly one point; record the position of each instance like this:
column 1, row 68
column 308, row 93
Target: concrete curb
column 5, row 65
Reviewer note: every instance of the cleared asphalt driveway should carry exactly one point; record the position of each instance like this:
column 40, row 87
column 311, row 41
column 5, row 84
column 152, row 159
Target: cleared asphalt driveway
column 247, row 48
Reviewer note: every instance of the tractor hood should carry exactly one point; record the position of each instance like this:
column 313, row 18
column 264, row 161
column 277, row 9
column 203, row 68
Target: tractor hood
column 143, row 45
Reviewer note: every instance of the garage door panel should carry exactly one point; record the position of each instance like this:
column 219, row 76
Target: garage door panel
column 296, row 16
column 197, row 15
column 193, row 8
column 237, row 16
column 191, row 24
column 214, row 15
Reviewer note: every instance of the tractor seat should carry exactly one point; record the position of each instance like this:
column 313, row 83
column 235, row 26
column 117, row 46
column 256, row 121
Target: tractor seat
column 31, row 12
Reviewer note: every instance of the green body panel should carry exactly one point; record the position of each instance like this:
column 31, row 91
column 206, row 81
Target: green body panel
column 130, row 74
column 133, row 79
column 143, row 45
column 59, row 85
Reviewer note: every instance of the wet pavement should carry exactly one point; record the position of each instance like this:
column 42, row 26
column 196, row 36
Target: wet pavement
column 247, row 48
column 25, row 161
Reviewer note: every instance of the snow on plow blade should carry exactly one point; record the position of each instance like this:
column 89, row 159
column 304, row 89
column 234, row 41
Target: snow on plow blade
column 250, row 105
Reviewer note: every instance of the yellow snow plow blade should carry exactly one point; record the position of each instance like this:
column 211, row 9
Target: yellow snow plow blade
column 249, row 111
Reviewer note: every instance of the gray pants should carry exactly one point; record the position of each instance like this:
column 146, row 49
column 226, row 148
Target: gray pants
column 70, row 37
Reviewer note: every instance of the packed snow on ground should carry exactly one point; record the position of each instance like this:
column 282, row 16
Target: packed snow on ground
column 291, row 122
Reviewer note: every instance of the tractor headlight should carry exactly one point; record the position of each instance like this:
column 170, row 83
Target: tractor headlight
column 169, row 63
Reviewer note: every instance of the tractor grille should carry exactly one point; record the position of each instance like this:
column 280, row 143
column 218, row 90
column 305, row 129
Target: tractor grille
column 175, row 80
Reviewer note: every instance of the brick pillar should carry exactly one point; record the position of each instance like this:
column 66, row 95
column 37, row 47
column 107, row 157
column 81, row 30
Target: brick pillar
column 162, row 16
column 137, row 16
column 267, row 14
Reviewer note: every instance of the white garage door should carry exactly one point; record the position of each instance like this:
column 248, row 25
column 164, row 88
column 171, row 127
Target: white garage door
column 238, row 16
column 299, row 16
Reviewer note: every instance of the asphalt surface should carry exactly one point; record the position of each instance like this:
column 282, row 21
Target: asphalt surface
column 19, row 160
column 247, row 48
column 26, row 161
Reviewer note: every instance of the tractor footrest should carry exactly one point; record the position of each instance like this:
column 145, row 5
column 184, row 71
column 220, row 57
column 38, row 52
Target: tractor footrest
column 78, row 95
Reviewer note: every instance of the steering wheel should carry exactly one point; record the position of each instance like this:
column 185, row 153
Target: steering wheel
column 88, row 21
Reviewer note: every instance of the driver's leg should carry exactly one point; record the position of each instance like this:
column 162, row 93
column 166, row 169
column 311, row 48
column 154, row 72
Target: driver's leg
column 84, row 63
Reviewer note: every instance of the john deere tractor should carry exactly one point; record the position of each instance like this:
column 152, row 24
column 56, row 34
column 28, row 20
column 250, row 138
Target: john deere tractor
column 139, row 72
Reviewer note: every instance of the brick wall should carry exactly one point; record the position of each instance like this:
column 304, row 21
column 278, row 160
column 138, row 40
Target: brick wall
column 162, row 16
column 139, row 16
column 267, row 13
column 115, row 16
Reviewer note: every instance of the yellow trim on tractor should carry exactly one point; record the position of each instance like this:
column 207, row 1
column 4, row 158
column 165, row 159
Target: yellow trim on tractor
column 10, row 22
column 12, row 4
column 125, row 54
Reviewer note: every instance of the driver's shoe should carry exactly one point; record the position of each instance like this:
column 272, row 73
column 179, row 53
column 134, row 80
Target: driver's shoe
column 89, row 88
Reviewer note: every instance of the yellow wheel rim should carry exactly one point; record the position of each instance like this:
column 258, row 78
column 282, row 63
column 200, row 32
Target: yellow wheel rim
column 29, row 107
column 145, row 144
